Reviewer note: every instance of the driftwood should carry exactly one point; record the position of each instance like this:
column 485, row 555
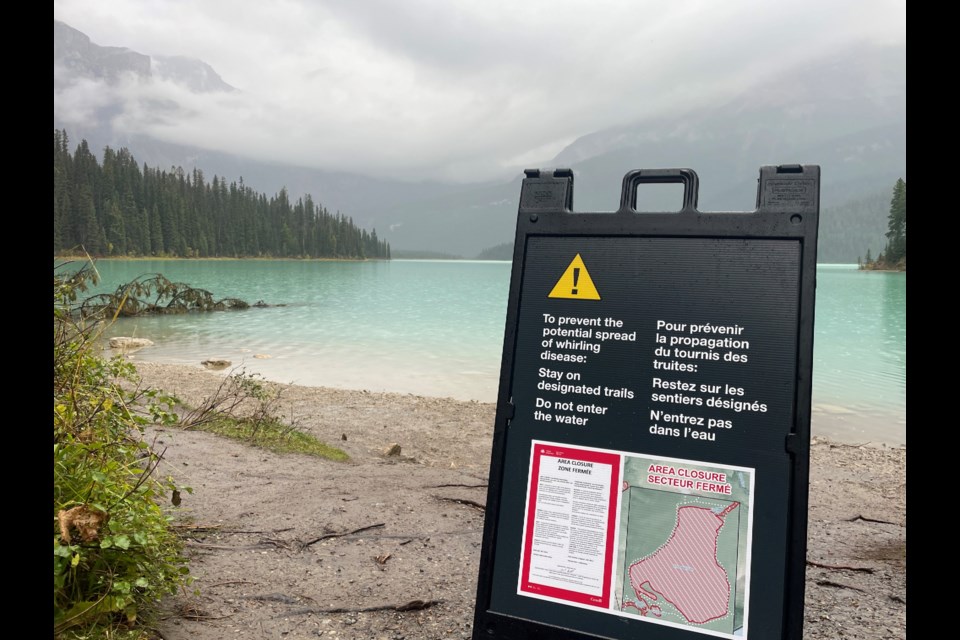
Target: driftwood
column 457, row 484
column 838, row 567
column 837, row 585
column 866, row 519
column 464, row 501
column 413, row 605
column 340, row 535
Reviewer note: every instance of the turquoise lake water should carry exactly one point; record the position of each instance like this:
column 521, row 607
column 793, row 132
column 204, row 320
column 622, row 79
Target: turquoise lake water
column 436, row 328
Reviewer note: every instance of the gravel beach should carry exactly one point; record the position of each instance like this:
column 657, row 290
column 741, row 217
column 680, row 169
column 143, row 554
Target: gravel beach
column 388, row 546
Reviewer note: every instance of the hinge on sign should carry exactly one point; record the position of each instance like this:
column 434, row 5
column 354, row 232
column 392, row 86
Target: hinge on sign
column 791, row 443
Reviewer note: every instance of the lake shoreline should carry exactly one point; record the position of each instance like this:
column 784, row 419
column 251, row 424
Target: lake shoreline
column 436, row 328
column 829, row 421
column 186, row 381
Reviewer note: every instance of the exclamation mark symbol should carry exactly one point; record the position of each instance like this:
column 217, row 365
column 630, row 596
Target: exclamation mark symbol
column 576, row 276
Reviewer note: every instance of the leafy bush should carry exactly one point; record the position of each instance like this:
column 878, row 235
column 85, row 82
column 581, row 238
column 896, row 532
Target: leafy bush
column 245, row 408
column 114, row 553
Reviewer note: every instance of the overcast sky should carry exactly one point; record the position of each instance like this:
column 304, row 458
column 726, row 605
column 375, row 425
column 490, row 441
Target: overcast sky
column 451, row 89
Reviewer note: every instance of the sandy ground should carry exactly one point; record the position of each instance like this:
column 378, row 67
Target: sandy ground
column 296, row 547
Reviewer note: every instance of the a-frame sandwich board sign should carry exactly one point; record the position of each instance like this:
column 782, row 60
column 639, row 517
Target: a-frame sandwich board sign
column 650, row 459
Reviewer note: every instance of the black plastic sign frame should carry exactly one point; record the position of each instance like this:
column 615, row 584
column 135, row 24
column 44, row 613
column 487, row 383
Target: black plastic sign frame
column 651, row 451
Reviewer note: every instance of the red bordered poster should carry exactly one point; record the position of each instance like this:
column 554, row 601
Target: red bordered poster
column 570, row 524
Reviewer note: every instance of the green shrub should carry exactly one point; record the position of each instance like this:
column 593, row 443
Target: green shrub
column 114, row 553
column 245, row 408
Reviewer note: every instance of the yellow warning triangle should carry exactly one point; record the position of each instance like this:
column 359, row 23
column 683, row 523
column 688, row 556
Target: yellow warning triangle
column 575, row 283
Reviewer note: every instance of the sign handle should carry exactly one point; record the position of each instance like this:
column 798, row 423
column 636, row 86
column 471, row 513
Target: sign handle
column 687, row 177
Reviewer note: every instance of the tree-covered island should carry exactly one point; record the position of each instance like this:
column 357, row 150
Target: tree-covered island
column 894, row 255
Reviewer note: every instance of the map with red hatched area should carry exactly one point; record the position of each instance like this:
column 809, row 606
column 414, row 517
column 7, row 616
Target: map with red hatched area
column 683, row 550
column 686, row 571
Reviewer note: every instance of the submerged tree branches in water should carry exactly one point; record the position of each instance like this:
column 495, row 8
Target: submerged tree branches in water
column 154, row 294
column 151, row 294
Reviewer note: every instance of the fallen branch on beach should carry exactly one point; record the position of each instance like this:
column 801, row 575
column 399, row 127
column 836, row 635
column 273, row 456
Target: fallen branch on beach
column 218, row 529
column 195, row 528
column 413, row 605
column 838, row 567
column 222, row 547
column 829, row 583
column 471, row 503
column 328, row 536
column 190, row 611
column 466, row 486
column 865, row 519
column 223, row 584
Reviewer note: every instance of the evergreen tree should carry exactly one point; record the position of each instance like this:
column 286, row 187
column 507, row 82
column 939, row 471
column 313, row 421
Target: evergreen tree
column 116, row 207
column 156, row 233
column 115, row 230
column 896, row 248
column 62, row 236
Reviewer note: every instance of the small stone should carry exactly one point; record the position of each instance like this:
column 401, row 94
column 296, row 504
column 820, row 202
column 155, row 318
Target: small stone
column 262, row 356
column 392, row 450
column 216, row 363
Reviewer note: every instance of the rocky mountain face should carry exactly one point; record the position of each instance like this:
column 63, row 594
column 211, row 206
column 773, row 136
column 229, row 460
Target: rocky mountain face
column 845, row 112
column 81, row 58
column 84, row 59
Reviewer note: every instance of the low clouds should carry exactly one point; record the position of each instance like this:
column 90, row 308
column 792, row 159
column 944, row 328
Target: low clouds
column 432, row 89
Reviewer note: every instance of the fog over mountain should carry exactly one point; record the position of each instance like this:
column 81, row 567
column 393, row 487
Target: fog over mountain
column 845, row 111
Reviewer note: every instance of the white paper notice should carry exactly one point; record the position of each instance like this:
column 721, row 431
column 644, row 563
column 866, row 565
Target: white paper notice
column 570, row 525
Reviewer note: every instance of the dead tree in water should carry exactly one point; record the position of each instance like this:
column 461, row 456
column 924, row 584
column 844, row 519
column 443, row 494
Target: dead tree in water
column 153, row 294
